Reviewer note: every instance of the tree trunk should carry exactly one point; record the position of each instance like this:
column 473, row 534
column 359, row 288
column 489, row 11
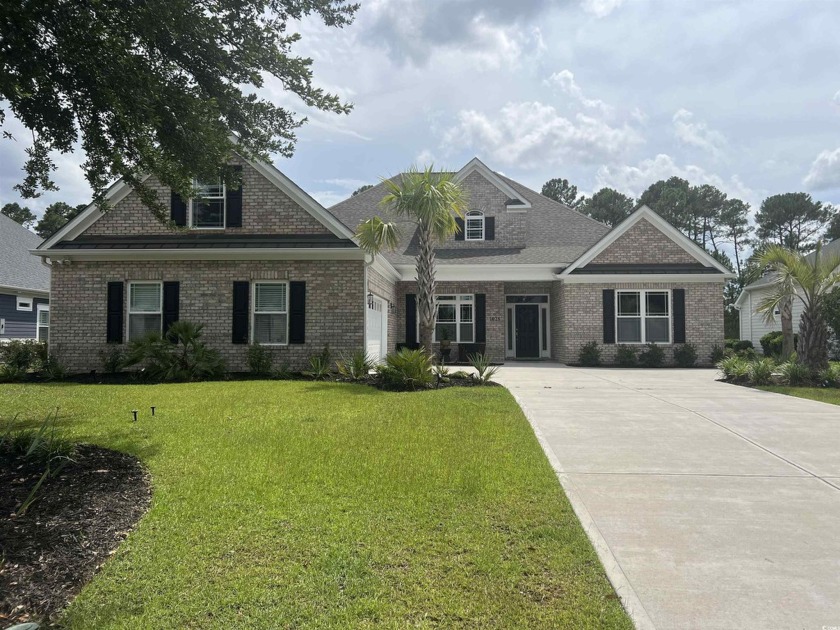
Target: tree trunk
column 426, row 287
column 786, row 309
column 813, row 338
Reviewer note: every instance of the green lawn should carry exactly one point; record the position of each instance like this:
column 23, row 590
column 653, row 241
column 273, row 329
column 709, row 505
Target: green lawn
column 822, row 394
column 289, row 504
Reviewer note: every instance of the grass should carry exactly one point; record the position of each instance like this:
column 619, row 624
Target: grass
column 823, row 394
column 290, row 504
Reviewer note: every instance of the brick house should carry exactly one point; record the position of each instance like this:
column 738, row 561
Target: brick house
column 525, row 278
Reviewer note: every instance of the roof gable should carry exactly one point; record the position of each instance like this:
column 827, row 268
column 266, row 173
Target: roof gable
column 19, row 269
column 516, row 201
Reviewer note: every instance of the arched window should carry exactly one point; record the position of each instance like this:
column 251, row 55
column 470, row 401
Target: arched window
column 474, row 226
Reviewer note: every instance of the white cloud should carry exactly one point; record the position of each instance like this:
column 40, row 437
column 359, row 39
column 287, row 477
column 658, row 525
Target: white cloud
column 565, row 80
column 825, row 171
column 532, row 134
column 697, row 134
column 836, row 99
column 424, row 158
column 600, row 8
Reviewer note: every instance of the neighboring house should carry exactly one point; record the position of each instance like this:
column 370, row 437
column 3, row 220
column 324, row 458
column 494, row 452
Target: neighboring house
column 526, row 278
column 24, row 285
column 753, row 325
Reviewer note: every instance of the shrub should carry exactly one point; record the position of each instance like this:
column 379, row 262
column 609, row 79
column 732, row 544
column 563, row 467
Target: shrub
column 357, row 367
column 319, row 368
column 794, row 373
column 652, row 356
column 830, row 376
column 760, row 372
column 53, row 370
column 180, row 355
column 590, row 354
column 625, row 356
column 461, row 374
column 685, row 355
column 717, row 354
column 484, row 371
column 771, row 343
column 23, row 354
column 406, row 369
column 112, row 359
column 738, row 345
column 11, row 374
column 259, row 360
column 734, row 368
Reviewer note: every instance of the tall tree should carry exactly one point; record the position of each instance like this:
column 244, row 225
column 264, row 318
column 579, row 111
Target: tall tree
column 671, row 199
column 791, row 220
column 430, row 201
column 833, row 231
column 561, row 190
column 708, row 203
column 608, row 206
column 20, row 214
column 160, row 87
column 734, row 228
column 361, row 189
column 55, row 216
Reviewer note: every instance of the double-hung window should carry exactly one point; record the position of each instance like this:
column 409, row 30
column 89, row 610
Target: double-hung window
column 43, row 332
column 455, row 319
column 207, row 209
column 145, row 309
column 474, row 226
column 270, row 313
column 643, row 316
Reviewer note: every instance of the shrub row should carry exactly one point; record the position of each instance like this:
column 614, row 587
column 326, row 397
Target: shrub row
column 20, row 359
column 649, row 356
column 765, row 371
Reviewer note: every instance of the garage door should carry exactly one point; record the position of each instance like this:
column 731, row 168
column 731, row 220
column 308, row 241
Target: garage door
column 377, row 330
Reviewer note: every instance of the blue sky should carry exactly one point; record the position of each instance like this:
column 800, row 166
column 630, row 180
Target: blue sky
column 621, row 93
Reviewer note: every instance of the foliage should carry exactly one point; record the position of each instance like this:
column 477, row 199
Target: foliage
column 357, row 367
column 460, row 374
column 51, row 369
column 760, row 371
column 259, row 360
column 717, row 354
column 831, row 310
column 832, row 233
column 319, row 367
column 738, row 345
column 361, row 189
column 180, row 355
column 23, row 354
column 653, row 356
column 625, row 355
column 55, row 216
column 484, row 370
column 590, row 354
column 608, row 206
column 830, row 376
column 112, row 359
column 734, row 368
column 406, row 370
column 685, row 355
column 791, row 220
column 199, row 65
column 430, row 201
column 771, row 343
column 17, row 213
column 795, row 373
column 11, row 373
column 562, row 191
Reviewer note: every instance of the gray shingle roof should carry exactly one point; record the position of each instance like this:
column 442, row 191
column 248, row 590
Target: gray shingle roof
column 19, row 268
column 556, row 233
column 832, row 248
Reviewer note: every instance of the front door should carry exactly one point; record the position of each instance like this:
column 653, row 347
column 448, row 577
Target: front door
column 527, row 331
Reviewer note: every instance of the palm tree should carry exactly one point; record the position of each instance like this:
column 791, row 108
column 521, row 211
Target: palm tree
column 808, row 279
column 431, row 201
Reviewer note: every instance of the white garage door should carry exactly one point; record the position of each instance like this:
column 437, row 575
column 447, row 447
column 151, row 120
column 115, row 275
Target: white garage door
column 377, row 330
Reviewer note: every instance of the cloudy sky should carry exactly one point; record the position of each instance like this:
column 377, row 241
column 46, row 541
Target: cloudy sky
column 621, row 93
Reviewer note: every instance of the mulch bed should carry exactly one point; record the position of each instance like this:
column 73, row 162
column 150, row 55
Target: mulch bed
column 75, row 524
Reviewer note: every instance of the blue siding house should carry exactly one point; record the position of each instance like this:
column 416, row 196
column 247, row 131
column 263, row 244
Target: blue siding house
column 24, row 285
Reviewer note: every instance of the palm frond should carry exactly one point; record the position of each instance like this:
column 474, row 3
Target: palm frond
column 376, row 235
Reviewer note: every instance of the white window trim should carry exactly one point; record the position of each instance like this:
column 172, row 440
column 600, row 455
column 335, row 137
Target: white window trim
column 26, row 299
column 474, row 215
column 253, row 308
column 128, row 307
column 510, row 316
column 190, row 222
column 643, row 315
column 457, row 302
column 38, row 326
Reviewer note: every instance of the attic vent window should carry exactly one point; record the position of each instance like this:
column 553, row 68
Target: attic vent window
column 474, row 226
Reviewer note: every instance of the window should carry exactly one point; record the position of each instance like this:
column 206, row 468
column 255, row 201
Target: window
column 455, row 319
column 474, row 226
column 270, row 313
column 145, row 314
column 24, row 303
column 643, row 316
column 208, row 209
column 43, row 331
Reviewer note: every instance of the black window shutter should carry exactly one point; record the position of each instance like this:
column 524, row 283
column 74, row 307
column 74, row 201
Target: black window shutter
column 489, row 228
column 459, row 235
column 297, row 312
column 171, row 299
column 480, row 318
column 234, row 201
column 241, row 291
column 609, row 316
column 410, row 318
column 679, row 315
column 177, row 209
column 115, row 312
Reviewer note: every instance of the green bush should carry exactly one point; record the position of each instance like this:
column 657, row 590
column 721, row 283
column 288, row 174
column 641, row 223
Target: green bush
column 319, row 367
column 23, row 354
column 590, row 354
column 53, row 370
column 795, row 373
column 259, row 360
column 625, row 356
column 112, row 359
column 734, row 368
column 180, row 355
column 652, row 356
column 830, row 376
column 760, row 371
column 357, row 367
column 738, row 345
column 717, row 354
column 406, row 370
column 484, row 371
column 11, row 374
column 685, row 355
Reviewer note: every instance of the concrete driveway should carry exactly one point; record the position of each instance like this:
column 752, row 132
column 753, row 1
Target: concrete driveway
column 711, row 505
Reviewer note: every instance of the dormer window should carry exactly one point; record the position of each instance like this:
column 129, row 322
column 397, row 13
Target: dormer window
column 207, row 210
column 474, row 226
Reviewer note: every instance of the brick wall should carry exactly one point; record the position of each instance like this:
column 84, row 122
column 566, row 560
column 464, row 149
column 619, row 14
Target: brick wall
column 335, row 305
column 644, row 244
column 582, row 309
column 265, row 210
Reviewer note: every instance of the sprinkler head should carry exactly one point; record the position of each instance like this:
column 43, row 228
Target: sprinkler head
column 134, row 411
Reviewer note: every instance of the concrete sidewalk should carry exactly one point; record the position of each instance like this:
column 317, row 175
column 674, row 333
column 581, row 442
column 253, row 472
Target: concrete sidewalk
column 711, row 505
